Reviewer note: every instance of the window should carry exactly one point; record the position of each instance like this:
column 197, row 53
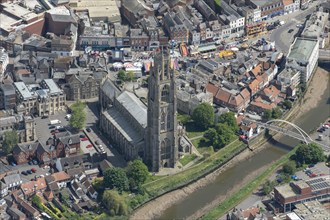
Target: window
column 165, row 94
column 162, row 121
column 168, row 121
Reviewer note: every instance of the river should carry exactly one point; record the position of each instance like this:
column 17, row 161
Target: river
column 227, row 179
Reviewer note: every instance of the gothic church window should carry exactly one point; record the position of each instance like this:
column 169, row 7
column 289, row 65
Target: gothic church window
column 165, row 94
column 162, row 121
column 168, row 121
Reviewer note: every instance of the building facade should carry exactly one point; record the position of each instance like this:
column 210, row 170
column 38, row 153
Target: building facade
column 303, row 56
column 162, row 137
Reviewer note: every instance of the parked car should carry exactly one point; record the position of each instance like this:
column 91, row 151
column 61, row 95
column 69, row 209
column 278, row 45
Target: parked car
column 34, row 170
column 13, row 164
column 84, row 139
column 82, row 136
column 29, row 171
column 299, row 26
column 24, row 173
column 88, row 129
column 89, row 146
column 290, row 30
column 30, row 162
column 44, row 117
column 35, row 162
column 52, row 127
column 311, row 165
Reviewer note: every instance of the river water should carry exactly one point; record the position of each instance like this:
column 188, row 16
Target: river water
column 226, row 180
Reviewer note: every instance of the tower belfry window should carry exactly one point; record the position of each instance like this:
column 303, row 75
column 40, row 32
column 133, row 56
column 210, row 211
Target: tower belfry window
column 165, row 94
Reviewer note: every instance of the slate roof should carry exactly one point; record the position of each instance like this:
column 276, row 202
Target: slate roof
column 13, row 178
column 134, row 106
column 68, row 140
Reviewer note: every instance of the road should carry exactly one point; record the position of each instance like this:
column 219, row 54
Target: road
column 94, row 135
column 282, row 38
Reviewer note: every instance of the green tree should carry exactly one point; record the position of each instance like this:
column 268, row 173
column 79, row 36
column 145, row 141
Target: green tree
column 267, row 115
column 225, row 133
column 213, row 137
column 137, row 172
column 229, row 119
column 115, row 178
column 36, row 200
column 114, row 203
column 276, row 113
column 289, row 167
column 10, row 140
column 267, row 187
column 309, row 154
column 121, row 75
column 203, row 115
column 78, row 117
column 287, row 104
column 130, row 76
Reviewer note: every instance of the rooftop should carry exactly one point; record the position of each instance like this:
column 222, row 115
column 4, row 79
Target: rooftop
column 23, row 90
column 52, row 86
column 302, row 49
column 134, row 106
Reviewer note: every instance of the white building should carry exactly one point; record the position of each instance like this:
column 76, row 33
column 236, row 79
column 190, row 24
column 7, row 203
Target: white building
column 44, row 99
column 288, row 77
column 303, row 55
column 291, row 6
column 4, row 59
column 9, row 182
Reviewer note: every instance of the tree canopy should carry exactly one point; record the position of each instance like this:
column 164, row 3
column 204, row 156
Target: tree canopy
column 276, row 113
column 130, row 76
column 203, row 115
column 309, row 154
column 121, row 75
column 229, row 119
column 289, row 167
column 115, row 178
column 10, row 140
column 287, row 104
column 114, row 203
column 137, row 173
column 78, row 117
column 220, row 136
column 267, row 115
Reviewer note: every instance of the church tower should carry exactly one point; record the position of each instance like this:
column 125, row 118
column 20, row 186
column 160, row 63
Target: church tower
column 162, row 137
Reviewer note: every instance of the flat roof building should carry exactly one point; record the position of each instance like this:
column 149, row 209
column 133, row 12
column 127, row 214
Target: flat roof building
column 289, row 195
column 303, row 56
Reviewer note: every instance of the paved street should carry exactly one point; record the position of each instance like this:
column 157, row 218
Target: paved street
column 92, row 122
column 42, row 125
column 282, row 38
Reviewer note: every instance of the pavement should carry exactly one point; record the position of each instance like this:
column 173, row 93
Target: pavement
column 24, row 167
column 42, row 125
column 94, row 135
column 282, row 38
column 325, row 139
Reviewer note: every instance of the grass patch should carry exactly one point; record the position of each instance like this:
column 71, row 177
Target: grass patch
column 168, row 183
column 244, row 192
column 202, row 146
column 187, row 158
column 183, row 118
column 152, row 178
column 192, row 130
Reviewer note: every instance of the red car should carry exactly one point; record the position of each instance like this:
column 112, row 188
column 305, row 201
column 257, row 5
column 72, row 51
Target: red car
column 89, row 146
column 84, row 139
column 34, row 170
